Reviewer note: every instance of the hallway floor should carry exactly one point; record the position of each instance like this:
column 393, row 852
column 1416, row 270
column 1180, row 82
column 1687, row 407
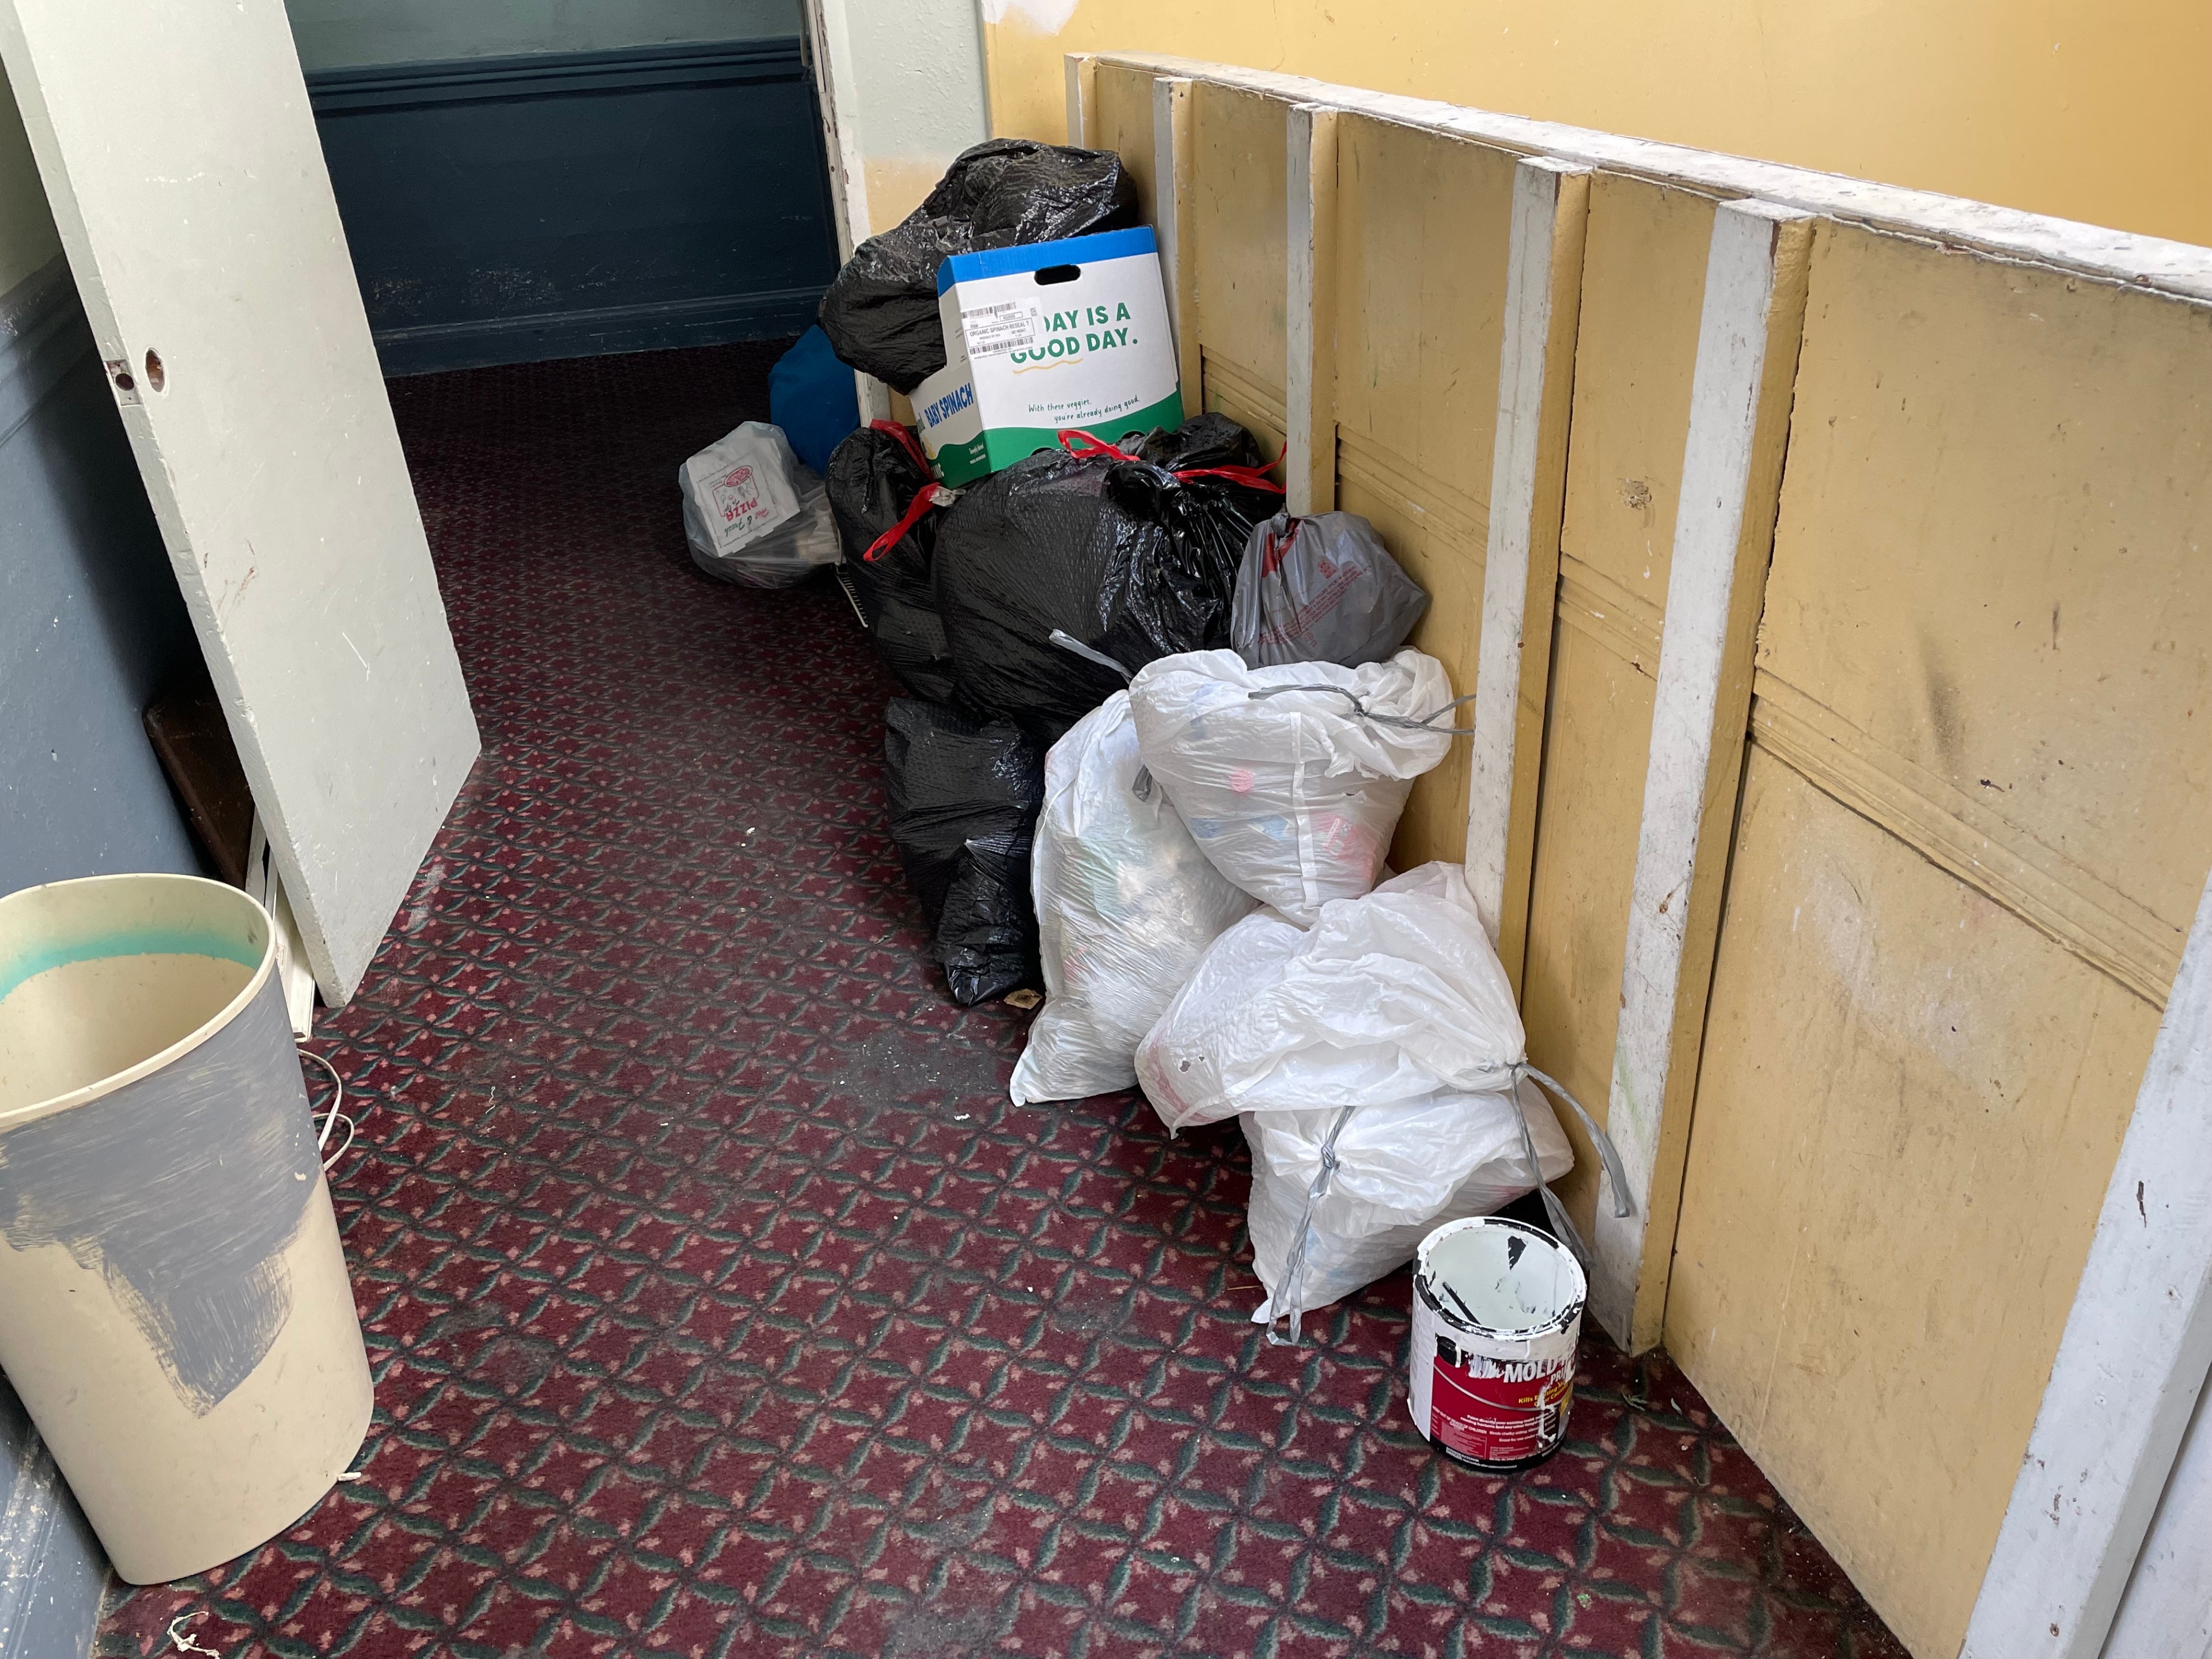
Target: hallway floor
column 720, row 1302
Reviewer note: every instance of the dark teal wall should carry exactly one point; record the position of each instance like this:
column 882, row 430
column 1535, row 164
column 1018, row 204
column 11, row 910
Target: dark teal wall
column 565, row 204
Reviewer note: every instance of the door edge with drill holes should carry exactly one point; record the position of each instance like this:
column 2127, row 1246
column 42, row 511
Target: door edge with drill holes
column 180, row 154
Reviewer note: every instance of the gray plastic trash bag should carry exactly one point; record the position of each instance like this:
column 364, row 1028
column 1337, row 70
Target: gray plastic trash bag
column 752, row 514
column 1321, row 589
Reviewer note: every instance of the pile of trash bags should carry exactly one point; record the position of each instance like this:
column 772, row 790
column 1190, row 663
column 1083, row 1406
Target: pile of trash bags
column 1131, row 556
column 1159, row 735
column 1015, row 609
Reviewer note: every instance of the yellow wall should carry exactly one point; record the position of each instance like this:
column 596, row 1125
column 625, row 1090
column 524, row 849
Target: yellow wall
column 2087, row 109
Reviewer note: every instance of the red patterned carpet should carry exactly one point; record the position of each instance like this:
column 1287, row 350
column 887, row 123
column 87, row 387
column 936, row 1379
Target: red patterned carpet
column 721, row 1303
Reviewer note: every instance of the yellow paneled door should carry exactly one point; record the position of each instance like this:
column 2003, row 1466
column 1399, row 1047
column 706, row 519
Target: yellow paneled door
column 1975, row 816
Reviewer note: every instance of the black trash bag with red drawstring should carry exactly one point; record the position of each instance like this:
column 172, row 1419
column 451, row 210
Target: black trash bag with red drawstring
column 884, row 500
column 880, row 311
column 963, row 797
column 1133, row 556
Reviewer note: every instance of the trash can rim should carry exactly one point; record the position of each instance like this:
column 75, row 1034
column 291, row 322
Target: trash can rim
column 11, row 979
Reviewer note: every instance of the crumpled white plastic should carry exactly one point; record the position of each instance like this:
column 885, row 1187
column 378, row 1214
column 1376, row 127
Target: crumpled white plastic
column 1293, row 796
column 1393, row 996
column 1402, row 1172
column 1126, row 905
column 1393, row 1005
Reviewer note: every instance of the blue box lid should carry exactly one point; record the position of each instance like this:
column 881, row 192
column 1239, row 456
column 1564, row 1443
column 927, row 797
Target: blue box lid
column 1036, row 256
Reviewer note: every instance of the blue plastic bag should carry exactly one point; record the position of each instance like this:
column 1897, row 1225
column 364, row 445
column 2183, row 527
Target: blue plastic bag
column 811, row 395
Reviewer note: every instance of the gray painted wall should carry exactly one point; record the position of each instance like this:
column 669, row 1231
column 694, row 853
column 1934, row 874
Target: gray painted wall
column 90, row 619
column 90, row 624
column 355, row 33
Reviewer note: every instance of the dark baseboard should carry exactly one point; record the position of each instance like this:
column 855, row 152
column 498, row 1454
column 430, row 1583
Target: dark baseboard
column 385, row 87
column 718, row 319
column 510, row 210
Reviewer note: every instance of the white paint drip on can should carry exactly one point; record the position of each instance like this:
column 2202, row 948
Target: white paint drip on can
column 1498, row 1315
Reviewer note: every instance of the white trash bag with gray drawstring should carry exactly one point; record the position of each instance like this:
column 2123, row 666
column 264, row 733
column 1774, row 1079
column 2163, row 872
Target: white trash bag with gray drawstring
column 1126, row 904
column 1291, row 779
column 1378, row 1060
column 1401, row 1171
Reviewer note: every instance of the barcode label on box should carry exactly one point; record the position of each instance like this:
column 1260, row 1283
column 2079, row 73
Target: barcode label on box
column 1010, row 326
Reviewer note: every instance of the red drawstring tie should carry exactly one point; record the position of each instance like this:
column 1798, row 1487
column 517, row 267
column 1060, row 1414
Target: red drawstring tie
column 1078, row 443
column 931, row 495
column 1083, row 446
column 1273, row 550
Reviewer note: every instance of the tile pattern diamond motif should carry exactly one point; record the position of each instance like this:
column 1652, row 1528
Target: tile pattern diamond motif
column 720, row 1302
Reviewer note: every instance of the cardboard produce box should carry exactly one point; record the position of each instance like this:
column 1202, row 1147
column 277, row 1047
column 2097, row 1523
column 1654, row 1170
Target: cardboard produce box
column 1044, row 339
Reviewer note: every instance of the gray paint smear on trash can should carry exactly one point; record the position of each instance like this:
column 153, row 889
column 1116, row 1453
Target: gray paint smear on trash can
column 183, row 1190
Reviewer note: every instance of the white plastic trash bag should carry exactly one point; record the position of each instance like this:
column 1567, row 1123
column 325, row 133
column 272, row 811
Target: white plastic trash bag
column 752, row 513
column 1126, row 905
column 1401, row 1171
column 1388, row 998
column 1391, row 1024
column 1293, row 795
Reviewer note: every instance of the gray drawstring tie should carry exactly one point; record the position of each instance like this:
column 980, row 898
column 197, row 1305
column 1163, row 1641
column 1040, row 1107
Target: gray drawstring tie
column 1403, row 722
column 1286, row 1311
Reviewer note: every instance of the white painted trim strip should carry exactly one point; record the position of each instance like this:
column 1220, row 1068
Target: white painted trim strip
column 2180, row 269
column 1718, row 457
column 2130, row 1365
column 1309, row 373
column 1513, row 484
column 1171, row 164
column 832, row 53
column 2167, row 1613
column 1079, row 112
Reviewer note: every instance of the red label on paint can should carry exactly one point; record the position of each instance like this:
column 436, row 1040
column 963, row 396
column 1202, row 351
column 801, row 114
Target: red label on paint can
column 1479, row 1412
column 1498, row 1309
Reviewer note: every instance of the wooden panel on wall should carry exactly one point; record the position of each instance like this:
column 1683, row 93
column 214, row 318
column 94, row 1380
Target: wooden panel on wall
column 2020, row 462
column 1643, row 278
column 1422, row 226
column 1909, row 1104
column 1975, row 826
column 1122, row 121
column 1238, row 143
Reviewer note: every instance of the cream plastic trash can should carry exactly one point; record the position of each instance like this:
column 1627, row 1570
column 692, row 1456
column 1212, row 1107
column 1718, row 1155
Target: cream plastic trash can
column 174, row 1307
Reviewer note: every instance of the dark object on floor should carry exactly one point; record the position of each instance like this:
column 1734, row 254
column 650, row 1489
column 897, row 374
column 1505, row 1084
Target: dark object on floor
column 963, row 801
column 1321, row 589
column 875, row 478
column 186, row 727
column 811, row 395
column 881, row 311
column 721, row 1301
column 1135, row 558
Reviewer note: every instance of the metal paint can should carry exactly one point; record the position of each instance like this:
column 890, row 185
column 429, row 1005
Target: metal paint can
column 174, row 1306
column 1498, row 1314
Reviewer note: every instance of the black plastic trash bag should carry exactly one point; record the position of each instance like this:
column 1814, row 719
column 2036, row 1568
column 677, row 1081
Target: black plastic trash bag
column 878, row 477
column 964, row 801
column 1135, row 557
column 1321, row 589
column 881, row 311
